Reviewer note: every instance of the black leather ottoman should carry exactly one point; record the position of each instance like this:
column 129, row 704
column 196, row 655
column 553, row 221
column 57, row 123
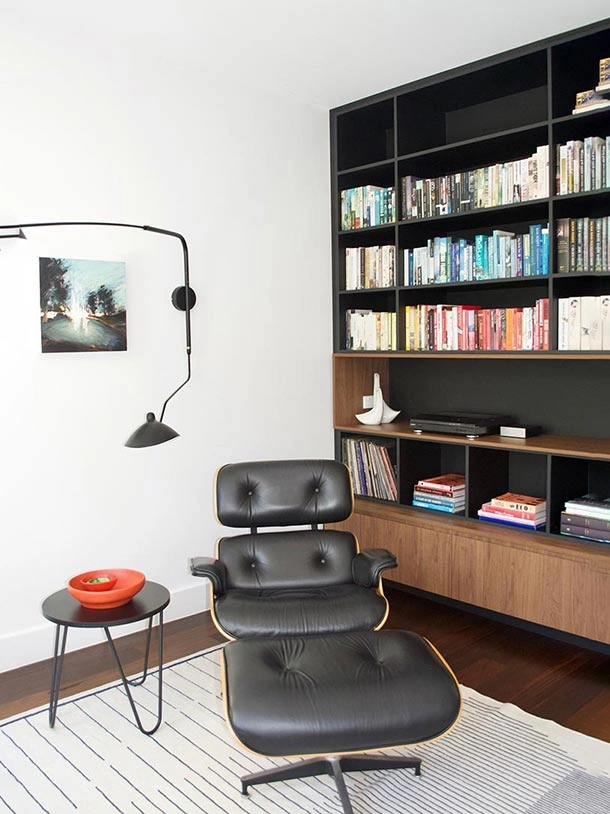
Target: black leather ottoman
column 336, row 694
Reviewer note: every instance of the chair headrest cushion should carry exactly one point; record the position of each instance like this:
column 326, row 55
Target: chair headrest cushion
column 283, row 493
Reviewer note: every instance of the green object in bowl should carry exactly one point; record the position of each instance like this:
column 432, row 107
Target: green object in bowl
column 95, row 580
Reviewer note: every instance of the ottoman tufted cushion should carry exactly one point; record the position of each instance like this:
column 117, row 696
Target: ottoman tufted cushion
column 337, row 693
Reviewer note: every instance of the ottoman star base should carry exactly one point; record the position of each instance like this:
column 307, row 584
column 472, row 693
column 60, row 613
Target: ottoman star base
column 334, row 766
column 334, row 697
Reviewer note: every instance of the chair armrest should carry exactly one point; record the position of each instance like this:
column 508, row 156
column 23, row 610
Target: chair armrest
column 214, row 570
column 368, row 565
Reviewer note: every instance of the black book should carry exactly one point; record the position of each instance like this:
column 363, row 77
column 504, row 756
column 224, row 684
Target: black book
column 563, row 245
column 580, row 521
column 587, row 533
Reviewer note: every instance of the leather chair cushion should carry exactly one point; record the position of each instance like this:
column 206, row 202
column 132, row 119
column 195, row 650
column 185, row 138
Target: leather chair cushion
column 299, row 612
column 283, row 493
column 337, row 693
column 288, row 559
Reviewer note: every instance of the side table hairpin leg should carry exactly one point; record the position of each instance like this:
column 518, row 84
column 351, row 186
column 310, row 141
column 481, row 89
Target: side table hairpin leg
column 58, row 663
column 137, row 682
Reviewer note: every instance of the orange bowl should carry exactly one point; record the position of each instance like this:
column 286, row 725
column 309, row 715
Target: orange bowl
column 128, row 584
column 98, row 580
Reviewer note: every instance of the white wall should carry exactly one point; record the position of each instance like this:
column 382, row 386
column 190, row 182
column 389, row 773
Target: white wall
column 244, row 176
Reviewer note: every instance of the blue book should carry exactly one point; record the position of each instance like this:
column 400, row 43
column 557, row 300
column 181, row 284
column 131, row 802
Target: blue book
column 437, row 507
column 427, row 497
column 545, row 251
column 504, row 521
column 536, row 248
column 480, row 241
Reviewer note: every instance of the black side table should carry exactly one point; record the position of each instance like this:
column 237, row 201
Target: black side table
column 66, row 612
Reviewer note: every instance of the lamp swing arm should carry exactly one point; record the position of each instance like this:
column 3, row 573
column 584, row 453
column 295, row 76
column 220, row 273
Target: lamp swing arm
column 146, row 228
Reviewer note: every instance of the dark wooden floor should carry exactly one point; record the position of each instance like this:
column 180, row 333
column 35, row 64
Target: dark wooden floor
column 548, row 678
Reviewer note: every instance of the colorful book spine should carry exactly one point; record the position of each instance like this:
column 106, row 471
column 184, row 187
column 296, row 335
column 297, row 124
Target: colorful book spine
column 437, row 507
column 516, row 513
column 514, row 521
column 523, row 503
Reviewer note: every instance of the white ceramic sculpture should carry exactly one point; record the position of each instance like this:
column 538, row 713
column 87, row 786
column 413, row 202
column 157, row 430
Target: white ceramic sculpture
column 380, row 412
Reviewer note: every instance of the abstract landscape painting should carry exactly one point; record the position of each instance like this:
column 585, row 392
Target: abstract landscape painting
column 82, row 305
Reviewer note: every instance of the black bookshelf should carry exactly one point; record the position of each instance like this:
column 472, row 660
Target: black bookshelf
column 493, row 111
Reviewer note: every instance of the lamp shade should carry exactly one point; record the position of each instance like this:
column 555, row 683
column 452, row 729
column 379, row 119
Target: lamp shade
column 151, row 433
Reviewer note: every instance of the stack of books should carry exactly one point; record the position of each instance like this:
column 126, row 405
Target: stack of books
column 588, row 100
column 444, row 493
column 512, row 509
column 587, row 516
column 604, row 76
column 594, row 99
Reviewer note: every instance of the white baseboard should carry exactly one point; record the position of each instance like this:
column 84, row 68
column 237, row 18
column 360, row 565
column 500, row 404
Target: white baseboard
column 36, row 643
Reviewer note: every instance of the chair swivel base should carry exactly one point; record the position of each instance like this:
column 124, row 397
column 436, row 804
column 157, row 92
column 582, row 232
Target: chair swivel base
column 334, row 766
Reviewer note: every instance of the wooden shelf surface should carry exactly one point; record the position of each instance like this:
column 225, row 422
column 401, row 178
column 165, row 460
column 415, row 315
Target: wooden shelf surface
column 570, row 445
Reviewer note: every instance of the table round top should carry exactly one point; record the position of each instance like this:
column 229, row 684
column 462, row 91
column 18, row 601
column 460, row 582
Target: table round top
column 63, row 609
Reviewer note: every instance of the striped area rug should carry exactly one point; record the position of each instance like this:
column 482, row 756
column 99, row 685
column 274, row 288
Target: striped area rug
column 498, row 760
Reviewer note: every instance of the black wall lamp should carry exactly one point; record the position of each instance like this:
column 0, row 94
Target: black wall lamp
column 153, row 431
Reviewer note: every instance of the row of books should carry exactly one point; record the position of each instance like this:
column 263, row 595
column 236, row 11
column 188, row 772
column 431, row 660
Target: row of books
column 371, row 468
column 587, row 516
column 589, row 100
column 488, row 257
column 470, row 327
column 370, row 330
column 583, row 323
column 367, row 206
column 583, row 245
column 369, row 267
column 583, row 165
column 443, row 493
column 513, row 509
column 495, row 185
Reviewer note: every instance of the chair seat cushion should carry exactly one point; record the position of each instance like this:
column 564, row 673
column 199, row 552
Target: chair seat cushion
column 337, row 693
column 299, row 612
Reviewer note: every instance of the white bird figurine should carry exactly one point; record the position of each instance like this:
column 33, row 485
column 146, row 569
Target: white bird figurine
column 380, row 412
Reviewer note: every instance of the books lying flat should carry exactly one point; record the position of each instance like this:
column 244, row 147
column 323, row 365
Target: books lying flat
column 450, row 482
column 589, row 505
column 439, row 497
column 510, row 521
column 438, row 507
column 586, row 533
column 597, row 523
column 588, row 100
column 538, row 514
column 523, row 503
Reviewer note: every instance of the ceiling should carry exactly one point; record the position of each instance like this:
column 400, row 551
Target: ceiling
column 322, row 53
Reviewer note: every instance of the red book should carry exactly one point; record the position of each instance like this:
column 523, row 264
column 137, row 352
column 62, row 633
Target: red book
column 523, row 515
column 523, row 503
column 450, row 482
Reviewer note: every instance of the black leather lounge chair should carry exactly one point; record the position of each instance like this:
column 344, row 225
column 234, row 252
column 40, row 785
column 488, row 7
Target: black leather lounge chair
column 291, row 582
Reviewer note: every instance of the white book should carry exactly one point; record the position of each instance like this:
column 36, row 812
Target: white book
column 590, row 334
column 604, row 319
column 574, row 323
column 563, row 169
column 563, row 310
